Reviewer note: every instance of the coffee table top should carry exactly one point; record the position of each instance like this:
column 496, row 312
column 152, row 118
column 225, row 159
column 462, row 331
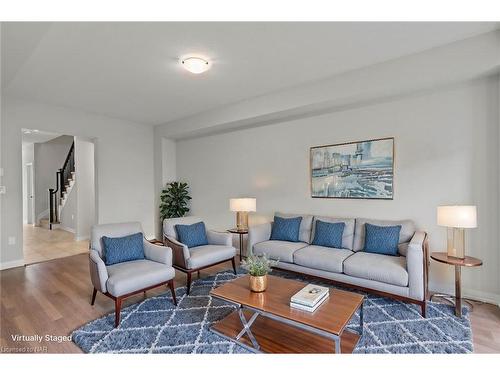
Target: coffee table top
column 332, row 316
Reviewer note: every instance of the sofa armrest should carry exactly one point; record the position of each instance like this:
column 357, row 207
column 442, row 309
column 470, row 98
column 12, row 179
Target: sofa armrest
column 219, row 238
column 98, row 271
column 158, row 253
column 256, row 234
column 416, row 266
column 179, row 250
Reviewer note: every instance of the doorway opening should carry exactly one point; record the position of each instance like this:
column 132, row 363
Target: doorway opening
column 59, row 199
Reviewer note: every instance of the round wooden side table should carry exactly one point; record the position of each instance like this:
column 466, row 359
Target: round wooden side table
column 458, row 263
column 241, row 233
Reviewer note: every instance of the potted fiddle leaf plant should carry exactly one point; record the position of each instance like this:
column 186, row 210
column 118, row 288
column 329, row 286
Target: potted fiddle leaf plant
column 258, row 266
column 174, row 200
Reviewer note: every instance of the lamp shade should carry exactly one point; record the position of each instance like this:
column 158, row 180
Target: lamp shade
column 457, row 216
column 242, row 204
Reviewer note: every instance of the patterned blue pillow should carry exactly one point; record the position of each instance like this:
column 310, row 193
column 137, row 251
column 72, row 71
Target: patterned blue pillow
column 192, row 235
column 286, row 229
column 382, row 240
column 328, row 234
column 123, row 249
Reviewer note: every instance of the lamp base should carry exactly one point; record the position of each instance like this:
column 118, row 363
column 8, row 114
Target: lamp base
column 456, row 243
column 242, row 220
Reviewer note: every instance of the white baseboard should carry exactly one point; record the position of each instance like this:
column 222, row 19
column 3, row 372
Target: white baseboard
column 11, row 264
column 479, row 295
column 67, row 229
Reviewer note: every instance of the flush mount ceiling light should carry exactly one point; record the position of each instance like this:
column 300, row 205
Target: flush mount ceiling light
column 195, row 65
column 29, row 131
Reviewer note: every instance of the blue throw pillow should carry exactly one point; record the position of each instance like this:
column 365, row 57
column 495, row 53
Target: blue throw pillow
column 328, row 234
column 382, row 240
column 286, row 229
column 192, row 235
column 123, row 249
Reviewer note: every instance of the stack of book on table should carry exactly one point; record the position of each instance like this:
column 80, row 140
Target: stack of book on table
column 309, row 298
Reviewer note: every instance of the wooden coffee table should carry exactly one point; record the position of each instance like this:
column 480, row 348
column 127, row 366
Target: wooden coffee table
column 265, row 322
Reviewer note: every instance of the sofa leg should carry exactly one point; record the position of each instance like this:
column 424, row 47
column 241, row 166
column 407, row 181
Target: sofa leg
column 188, row 283
column 118, row 307
column 234, row 265
column 423, row 307
column 172, row 290
column 94, row 293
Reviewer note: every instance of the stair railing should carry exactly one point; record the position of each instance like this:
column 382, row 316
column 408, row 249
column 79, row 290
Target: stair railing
column 63, row 175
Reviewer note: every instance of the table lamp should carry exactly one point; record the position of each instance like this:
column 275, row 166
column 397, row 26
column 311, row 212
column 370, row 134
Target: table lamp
column 456, row 219
column 242, row 206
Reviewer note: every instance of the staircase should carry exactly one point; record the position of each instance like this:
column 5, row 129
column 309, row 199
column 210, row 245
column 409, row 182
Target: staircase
column 65, row 180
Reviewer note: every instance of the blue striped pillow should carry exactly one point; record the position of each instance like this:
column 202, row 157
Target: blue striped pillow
column 192, row 235
column 382, row 240
column 328, row 234
column 286, row 229
column 123, row 249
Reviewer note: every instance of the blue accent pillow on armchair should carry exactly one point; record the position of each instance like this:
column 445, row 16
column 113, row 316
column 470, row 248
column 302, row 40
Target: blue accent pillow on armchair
column 382, row 240
column 192, row 235
column 286, row 229
column 123, row 249
column 328, row 234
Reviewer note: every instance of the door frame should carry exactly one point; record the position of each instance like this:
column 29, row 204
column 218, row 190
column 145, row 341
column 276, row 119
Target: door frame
column 30, row 187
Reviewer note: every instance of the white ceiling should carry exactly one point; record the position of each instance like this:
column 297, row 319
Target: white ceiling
column 131, row 70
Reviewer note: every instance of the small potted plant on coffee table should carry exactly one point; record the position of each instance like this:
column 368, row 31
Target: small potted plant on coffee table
column 258, row 266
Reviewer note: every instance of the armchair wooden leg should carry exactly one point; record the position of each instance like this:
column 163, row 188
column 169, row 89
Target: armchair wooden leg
column 172, row 290
column 423, row 307
column 188, row 283
column 94, row 293
column 234, row 265
column 118, row 307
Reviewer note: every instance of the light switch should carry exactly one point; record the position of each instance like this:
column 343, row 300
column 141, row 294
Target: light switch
column 3, row 190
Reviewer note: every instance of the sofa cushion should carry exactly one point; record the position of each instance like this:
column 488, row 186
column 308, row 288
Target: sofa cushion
column 377, row 267
column 192, row 235
column 347, row 236
column 282, row 250
column 123, row 249
column 131, row 276
column 202, row 256
column 322, row 258
column 405, row 235
column 382, row 240
column 305, row 225
column 328, row 234
column 286, row 229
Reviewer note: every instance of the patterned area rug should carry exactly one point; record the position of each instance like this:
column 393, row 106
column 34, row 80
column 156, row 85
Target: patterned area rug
column 155, row 325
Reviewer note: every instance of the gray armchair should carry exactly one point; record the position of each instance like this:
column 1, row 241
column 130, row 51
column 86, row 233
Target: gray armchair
column 188, row 260
column 122, row 280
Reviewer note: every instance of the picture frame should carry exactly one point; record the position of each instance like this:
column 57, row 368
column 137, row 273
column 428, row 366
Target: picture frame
column 353, row 170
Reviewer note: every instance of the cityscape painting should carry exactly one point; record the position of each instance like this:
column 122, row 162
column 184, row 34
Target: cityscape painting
column 353, row 170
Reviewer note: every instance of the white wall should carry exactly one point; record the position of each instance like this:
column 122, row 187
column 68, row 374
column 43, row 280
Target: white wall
column 446, row 151
column 27, row 158
column 85, row 187
column 124, row 166
column 48, row 158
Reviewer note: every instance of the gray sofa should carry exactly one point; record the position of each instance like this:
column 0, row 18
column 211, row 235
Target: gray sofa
column 403, row 277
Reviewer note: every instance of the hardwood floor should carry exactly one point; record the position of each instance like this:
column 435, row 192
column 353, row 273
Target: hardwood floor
column 41, row 244
column 54, row 298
